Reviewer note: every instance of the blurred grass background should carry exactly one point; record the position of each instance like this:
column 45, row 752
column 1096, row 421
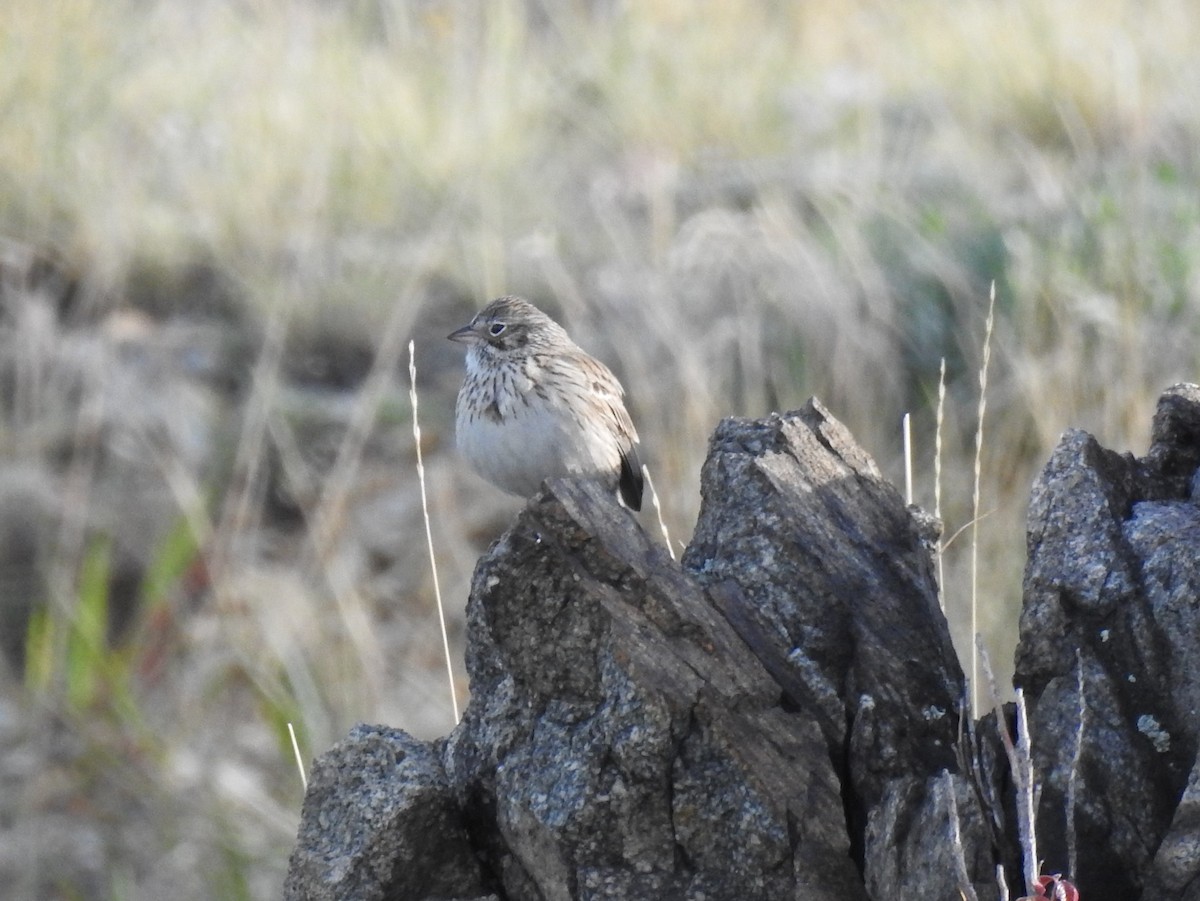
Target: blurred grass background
column 221, row 221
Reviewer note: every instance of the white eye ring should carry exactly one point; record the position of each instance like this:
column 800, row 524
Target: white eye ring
column 496, row 329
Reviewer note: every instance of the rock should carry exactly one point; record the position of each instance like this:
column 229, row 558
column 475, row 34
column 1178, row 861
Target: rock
column 778, row 716
column 775, row 718
column 836, row 594
column 379, row 822
column 1108, row 657
column 622, row 737
column 1175, row 871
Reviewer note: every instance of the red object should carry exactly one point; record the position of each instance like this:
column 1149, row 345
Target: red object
column 1053, row 888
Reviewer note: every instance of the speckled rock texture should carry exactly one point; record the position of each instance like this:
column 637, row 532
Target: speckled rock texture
column 777, row 716
column 1110, row 658
column 379, row 822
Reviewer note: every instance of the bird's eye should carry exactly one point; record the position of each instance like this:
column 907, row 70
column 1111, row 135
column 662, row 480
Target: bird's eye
column 496, row 329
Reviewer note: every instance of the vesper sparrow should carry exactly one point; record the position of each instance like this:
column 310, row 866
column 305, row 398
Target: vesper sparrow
column 534, row 405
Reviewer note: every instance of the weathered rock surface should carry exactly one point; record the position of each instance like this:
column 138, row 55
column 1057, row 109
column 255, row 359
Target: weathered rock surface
column 380, row 822
column 777, row 716
column 624, row 742
column 1112, row 607
column 829, row 579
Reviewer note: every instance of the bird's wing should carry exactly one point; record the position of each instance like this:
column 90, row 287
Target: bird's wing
column 606, row 395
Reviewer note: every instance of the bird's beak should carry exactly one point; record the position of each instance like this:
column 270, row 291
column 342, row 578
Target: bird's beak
column 464, row 335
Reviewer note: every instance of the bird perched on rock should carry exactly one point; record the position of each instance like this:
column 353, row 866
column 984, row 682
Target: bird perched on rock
column 534, row 405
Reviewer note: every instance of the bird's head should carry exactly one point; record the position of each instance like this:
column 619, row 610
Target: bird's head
column 509, row 326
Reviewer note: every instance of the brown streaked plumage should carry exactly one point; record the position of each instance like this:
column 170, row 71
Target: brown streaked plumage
column 534, row 405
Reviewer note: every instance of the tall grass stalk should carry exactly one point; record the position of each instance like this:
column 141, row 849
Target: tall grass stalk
column 299, row 759
column 965, row 888
column 1076, row 758
column 662, row 525
column 1020, row 762
column 939, row 421
column 908, row 467
column 437, row 589
column 975, row 493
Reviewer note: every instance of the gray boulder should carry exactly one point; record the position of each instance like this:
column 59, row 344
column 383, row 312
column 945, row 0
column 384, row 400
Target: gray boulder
column 1109, row 656
column 778, row 715
column 774, row 718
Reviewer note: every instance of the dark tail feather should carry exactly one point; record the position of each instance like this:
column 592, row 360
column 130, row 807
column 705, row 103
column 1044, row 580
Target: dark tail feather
column 630, row 481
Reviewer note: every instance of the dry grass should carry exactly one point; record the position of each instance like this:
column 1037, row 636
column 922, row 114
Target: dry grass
column 737, row 208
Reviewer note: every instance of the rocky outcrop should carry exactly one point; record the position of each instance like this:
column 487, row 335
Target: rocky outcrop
column 775, row 717
column 1110, row 658
column 829, row 579
column 778, row 715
